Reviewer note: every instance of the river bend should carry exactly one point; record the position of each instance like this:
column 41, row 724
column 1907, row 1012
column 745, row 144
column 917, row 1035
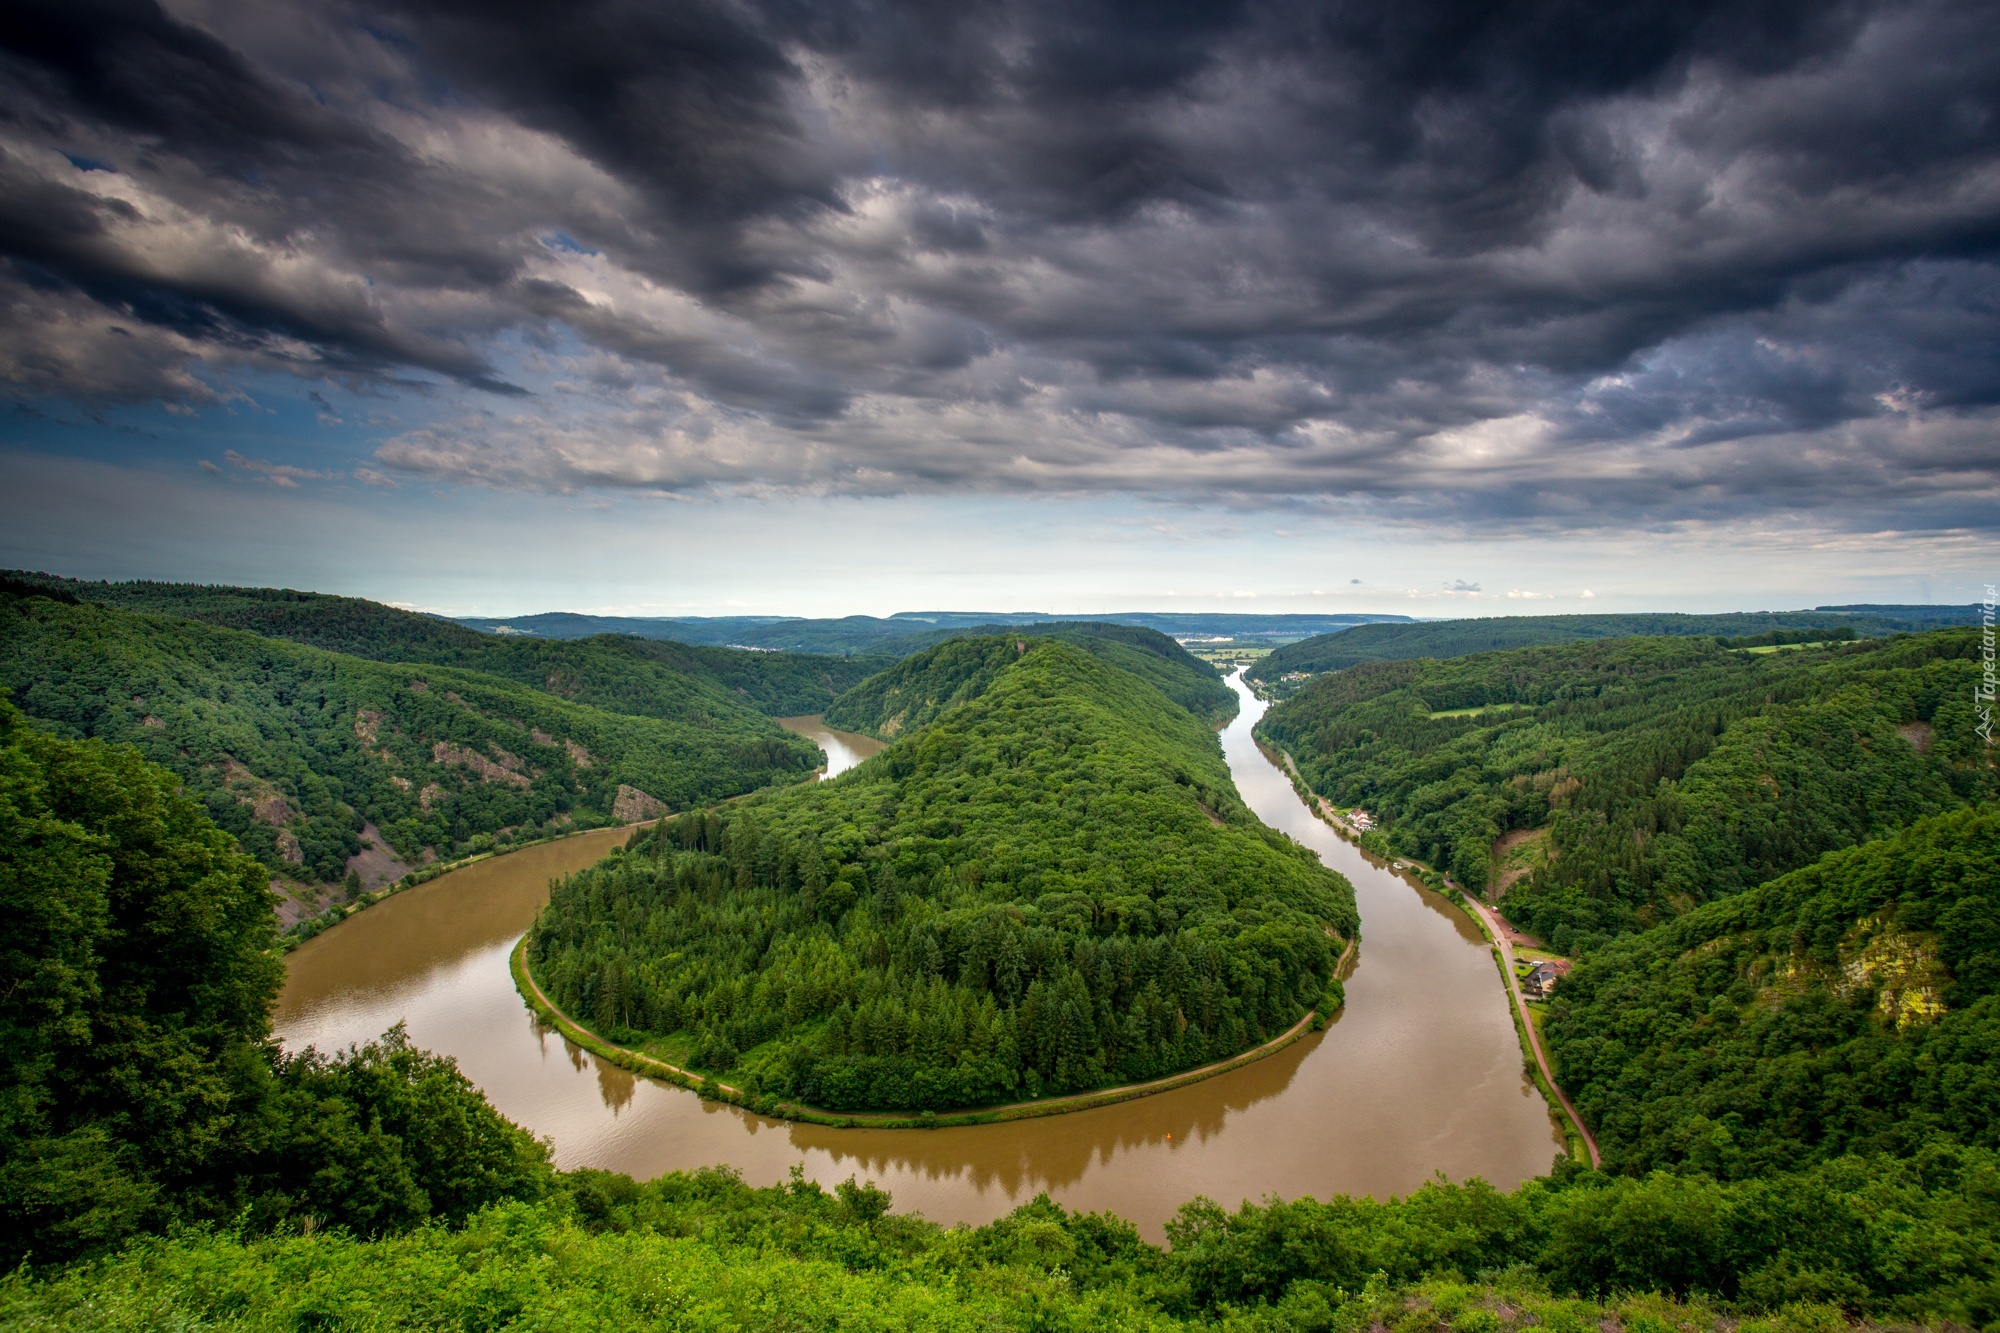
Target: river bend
column 1421, row 1073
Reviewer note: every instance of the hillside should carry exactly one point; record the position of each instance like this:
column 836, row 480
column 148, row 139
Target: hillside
column 1458, row 638
column 915, row 691
column 293, row 748
column 141, row 1087
column 1052, row 887
column 163, row 1165
column 647, row 678
column 1634, row 778
column 1852, row 1006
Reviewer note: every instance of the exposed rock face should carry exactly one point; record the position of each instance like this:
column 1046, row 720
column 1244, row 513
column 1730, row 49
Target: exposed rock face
column 289, row 849
column 272, row 811
column 577, row 754
column 634, row 805
column 506, row 770
column 367, row 725
column 430, row 796
column 377, row 864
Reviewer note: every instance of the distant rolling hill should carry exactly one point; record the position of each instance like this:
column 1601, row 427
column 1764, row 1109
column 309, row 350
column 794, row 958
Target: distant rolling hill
column 647, row 678
column 1457, row 638
column 906, row 632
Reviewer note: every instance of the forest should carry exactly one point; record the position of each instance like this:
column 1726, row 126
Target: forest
column 1793, row 1083
column 1458, row 638
column 1631, row 779
column 918, row 690
column 1051, row 887
column 293, row 749
column 619, row 672
column 1849, row 1007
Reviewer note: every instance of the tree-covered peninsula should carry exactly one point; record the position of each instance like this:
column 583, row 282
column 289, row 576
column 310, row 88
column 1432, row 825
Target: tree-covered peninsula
column 1605, row 786
column 1051, row 887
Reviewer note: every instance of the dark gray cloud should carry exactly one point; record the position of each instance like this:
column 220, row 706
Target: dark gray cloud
column 1536, row 261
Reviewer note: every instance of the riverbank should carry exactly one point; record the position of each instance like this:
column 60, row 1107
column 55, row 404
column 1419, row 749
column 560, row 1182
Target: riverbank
column 296, row 935
column 651, row 1067
column 1534, row 1055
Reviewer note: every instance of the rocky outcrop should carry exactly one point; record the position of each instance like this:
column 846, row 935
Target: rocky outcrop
column 634, row 805
column 507, row 768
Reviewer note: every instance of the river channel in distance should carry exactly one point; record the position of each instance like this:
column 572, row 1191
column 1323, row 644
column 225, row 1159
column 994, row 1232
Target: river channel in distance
column 1421, row 1073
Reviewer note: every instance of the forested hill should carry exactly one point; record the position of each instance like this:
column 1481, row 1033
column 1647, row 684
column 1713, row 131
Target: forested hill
column 292, row 748
column 141, row 1085
column 1457, row 638
column 1052, row 887
column 917, row 690
column 1852, row 1006
column 649, row 678
column 1633, row 778
column 375, row 1188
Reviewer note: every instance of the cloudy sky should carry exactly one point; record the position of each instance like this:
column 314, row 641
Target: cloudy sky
column 865, row 305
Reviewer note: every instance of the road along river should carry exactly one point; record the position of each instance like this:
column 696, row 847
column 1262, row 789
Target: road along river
column 1421, row 1073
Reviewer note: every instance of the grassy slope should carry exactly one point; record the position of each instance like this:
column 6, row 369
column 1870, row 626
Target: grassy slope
column 1457, row 638
column 648, row 678
column 969, row 880
column 1666, row 771
column 336, row 739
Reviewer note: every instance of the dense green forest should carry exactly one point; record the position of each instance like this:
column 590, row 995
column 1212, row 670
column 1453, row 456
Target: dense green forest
column 920, row 689
column 1051, row 887
column 138, row 1088
column 293, row 748
column 1458, row 638
column 163, row 1165
column 1638, row 777
column 1852, row 1006
column 647, row 678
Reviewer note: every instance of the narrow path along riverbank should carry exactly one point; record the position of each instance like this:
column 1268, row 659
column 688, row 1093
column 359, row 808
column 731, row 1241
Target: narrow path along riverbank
column 1500, row 934
column 641, row 1063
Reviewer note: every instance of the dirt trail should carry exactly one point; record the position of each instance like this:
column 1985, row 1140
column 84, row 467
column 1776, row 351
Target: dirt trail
column 1504, row 935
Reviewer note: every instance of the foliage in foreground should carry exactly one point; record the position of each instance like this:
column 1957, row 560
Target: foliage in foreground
column 1656, row 773
column 1050, row 888
column 138, row 1085
column 692, row 1251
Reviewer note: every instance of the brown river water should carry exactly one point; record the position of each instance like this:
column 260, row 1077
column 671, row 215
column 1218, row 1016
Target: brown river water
column 1421, row 1073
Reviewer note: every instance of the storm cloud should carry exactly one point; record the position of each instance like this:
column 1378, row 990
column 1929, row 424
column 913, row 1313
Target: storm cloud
column 1538, row 262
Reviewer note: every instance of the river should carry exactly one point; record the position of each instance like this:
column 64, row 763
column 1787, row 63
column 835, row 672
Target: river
column 1421, row 1073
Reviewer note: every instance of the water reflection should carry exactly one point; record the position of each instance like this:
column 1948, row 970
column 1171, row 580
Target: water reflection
column 1422, row 1073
